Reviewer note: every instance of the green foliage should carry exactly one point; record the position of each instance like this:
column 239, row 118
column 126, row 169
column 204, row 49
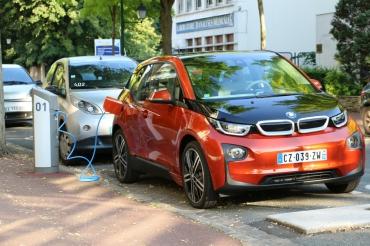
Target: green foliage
column 142, row 40
column 45, row 30
column 340, row 84
column 334, row 81
column 351, row 28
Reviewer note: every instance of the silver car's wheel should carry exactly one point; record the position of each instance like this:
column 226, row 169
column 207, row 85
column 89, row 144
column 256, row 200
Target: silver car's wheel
column 121, row 159
column 196, row 177
column 65, row 147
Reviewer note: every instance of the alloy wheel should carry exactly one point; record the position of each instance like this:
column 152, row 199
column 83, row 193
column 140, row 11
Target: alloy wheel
column 193, row 175
column 120, row 156
column 367, row 120
column 65, row 145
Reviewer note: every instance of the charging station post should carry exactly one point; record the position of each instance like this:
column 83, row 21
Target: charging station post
column 45, row 131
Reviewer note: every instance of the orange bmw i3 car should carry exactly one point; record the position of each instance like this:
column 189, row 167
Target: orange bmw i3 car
column 221, row 123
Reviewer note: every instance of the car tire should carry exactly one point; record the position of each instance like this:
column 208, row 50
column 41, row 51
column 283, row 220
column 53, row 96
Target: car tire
column 197, row 182
column 121, row 159
column 65, row 147
column 366, row 120
column 344, row 187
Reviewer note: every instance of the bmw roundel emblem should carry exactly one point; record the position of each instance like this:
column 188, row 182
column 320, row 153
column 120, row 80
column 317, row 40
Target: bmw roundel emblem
column 291, row 115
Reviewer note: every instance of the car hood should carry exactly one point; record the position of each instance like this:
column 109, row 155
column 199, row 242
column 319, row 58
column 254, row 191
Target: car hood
column 252, row 110
column 96, row 97
column 16, row 92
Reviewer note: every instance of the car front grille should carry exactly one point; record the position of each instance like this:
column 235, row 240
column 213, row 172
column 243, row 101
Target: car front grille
column 312, row 124
column 276, row 127
column 299, row 178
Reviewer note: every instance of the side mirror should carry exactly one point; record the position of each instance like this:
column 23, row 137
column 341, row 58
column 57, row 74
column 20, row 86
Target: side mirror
column 112, row 106
column 317, row 84
column 160, row 96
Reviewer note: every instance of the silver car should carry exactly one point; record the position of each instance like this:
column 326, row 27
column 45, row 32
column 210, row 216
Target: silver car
column 82, row 83
column 17, row 94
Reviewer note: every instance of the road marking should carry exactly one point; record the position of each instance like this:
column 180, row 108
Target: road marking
column 367, row 187
column 355, row 192
column 325, row 220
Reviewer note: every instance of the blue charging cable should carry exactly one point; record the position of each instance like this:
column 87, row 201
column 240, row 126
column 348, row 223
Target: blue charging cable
column 84, row 177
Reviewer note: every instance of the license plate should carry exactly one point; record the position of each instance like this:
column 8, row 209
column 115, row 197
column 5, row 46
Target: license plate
column 302, row 156
column 15, row 109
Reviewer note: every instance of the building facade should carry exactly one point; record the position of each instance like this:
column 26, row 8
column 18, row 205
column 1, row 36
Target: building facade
column 212, row 25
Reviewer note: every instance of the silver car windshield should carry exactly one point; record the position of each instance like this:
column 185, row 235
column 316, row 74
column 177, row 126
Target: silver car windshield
column 102, row 74
column 16, row 76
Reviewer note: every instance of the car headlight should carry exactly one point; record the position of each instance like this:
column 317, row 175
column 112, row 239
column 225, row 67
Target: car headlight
column 85, row 106
column 354, row 141
column 230, row 128
column 340, row 119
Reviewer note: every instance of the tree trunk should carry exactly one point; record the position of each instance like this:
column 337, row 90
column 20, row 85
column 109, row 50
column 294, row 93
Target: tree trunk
column 113, row 13
column 165, row 19
column 262, row 24
column 2, row 114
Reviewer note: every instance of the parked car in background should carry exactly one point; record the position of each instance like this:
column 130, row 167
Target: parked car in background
column 365, row 108
column 220, row 123
column 81, row 84
column 17, row 94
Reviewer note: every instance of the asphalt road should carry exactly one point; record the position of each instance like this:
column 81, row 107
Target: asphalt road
column 244, row 216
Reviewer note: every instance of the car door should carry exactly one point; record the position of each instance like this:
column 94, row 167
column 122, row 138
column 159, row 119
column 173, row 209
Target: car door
column 162, row 124
column 133, row 118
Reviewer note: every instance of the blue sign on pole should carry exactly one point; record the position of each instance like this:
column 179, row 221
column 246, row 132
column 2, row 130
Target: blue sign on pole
column 103, row 47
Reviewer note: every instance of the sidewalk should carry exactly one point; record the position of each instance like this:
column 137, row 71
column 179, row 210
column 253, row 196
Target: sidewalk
column 57, row 209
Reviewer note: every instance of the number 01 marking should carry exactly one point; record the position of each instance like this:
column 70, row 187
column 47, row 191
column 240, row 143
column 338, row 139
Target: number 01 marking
column 40, row 106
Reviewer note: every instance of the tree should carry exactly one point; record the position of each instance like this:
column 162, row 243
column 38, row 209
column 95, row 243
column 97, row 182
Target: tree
column 165, row 19
column 262, row 24
column 45, row 30
column 351, row 28
column 2, row 114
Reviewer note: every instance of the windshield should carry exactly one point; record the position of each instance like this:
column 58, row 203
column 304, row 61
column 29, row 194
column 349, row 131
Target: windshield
column 16, row 76
column 224, row 76
column 102, row 74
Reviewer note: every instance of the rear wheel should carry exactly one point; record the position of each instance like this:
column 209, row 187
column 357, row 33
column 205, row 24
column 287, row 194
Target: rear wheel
column 366, row 120
column 196, row 177
column 343, row 188
column 121, row 159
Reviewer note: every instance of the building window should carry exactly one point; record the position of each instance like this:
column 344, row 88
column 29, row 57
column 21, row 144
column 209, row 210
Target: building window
column 180, row 6
column 219, row 2
column 198, row 49
column 209, row 48
column 230, row 47
column 219, row 47
column 189, row 42
column 198, row 4
column 198, row 41
column 229, row 1
column 219, row 39
column 189, row 5
column 210, row 3
column 230, row 38
column 209, row 40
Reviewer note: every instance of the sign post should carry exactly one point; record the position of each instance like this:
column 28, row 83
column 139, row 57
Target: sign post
column 103, row 47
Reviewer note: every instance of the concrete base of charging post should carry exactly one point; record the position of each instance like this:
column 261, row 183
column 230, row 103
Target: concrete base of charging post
column 45, row 131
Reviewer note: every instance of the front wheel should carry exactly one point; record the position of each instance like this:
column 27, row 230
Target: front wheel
column 65, row 148
column 196, row 177
column 121, row 159
column 343, row 188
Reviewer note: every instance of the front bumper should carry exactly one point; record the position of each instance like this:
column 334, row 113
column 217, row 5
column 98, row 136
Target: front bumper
column 259, row 170
column 17, row 111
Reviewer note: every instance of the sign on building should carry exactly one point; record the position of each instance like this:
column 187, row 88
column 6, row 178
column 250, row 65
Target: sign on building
column 219, row 21
column 103, row 47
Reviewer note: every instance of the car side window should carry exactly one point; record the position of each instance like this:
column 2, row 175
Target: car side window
column 163, row 76
column 58, row 80
column 138, row 82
